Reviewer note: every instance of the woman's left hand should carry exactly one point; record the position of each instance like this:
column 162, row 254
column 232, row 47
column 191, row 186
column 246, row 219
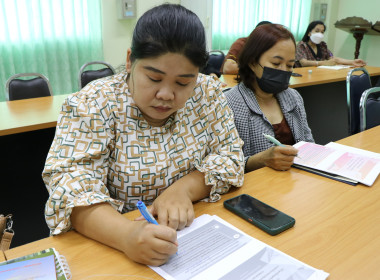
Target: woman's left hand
column 174, row 207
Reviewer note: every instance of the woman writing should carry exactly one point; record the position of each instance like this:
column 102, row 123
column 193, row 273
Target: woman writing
column 313, row 51
column 158, row 132
column 263, row 103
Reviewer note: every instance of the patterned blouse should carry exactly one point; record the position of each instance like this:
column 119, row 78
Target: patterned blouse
column 105, row 151
column 251, row 123
column 304, row 51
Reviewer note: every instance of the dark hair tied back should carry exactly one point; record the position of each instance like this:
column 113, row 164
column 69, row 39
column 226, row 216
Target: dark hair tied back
column 170, row 28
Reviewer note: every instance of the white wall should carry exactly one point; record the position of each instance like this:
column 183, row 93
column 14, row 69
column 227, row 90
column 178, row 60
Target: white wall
column 344, row 45
column 117, row 34
column 332, row 6
column 203, row 9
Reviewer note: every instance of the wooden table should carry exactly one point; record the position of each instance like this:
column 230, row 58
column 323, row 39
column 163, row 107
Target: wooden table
column 323, row 103
column 317, row 77
column 322, row 76
column 2, row 257
column 324, row 95
column 39, row 113
column 337, row 225
column 27, row 129
column 30, row 114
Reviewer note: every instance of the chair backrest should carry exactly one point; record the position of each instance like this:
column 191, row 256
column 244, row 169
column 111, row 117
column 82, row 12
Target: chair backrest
column 356, row 85
column 86, row 76
column 38, row 86
column 370, row 108
column 214, row 63
column 378, row 83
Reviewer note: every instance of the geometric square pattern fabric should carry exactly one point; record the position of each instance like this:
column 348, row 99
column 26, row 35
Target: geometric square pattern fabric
column 105, row 151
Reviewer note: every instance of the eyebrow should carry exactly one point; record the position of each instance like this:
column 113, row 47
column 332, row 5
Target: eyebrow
column 280, row 57
column 150, row 68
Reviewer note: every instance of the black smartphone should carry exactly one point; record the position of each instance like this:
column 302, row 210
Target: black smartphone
column 259, row 214
column 296, row 74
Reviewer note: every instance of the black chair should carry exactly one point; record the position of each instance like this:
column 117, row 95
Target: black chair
column 86, row 76
column 38, row 86
column 378, row 82
column 370, row 108
column 214, row 63
column 356, row 85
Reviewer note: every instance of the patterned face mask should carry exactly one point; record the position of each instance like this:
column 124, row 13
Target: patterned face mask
column 273, row 80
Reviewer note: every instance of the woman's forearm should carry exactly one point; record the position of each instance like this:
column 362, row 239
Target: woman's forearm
column 306, row 63
column 95, row 221
column 195, row 185
column 230, row 67
column 255, row 162
column 329, row 62
column 344, row 61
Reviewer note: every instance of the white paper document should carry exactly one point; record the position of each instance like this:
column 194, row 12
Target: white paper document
column 337, row 146
column 211, row 248
column 335, row 67
column 355, row 164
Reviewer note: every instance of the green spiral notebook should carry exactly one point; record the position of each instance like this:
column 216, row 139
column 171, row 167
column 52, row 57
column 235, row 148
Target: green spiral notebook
column 45, row 263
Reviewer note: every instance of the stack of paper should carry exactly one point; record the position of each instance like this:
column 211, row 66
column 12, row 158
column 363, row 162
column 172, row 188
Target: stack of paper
column 211, row 248
column 340, row 162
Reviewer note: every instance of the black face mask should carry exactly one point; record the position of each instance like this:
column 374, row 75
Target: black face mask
column 273, row 80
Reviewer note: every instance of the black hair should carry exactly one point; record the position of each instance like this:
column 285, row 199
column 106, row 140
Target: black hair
column 170, row 28
column 311, row 26
column 263, row 22
column 268, row 35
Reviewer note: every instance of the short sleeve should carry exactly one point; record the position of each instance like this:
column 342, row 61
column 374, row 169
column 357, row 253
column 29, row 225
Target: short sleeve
column 301, row 53
column 307, row 135
column 234, row 51
column 329, row 53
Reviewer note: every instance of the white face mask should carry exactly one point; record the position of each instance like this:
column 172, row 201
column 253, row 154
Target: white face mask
column 316, row 38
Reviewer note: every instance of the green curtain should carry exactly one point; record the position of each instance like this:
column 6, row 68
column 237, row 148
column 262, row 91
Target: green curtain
column 51, row 37
column 235, row 19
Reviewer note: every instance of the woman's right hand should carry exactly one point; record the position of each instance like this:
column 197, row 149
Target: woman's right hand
column 280, row 158
column 150, row 244
column 142, row 242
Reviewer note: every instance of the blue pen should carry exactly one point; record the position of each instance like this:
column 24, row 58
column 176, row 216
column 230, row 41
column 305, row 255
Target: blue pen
column 147, row 215
column 145, row 212
column 275, row 141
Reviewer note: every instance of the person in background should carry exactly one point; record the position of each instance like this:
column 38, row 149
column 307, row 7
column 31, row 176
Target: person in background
column 158, row 132
column 262, row 102
column 230, row 65
column 313, row 51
